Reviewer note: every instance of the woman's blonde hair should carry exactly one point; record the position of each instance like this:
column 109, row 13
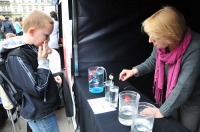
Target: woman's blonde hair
column 166, row 24
column 37, row 19
column 2, row 18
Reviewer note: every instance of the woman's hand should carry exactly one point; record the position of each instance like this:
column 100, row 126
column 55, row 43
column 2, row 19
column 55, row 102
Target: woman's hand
column 158, row 114
column 149, row 111
column 125, row 74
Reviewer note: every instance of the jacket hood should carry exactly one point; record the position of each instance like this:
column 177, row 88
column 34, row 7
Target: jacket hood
column 11, row 43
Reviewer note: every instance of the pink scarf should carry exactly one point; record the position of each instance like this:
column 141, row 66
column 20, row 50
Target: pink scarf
column 173, row 59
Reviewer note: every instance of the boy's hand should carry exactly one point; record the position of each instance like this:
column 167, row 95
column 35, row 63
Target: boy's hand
column 58, row 79
column 44, row 50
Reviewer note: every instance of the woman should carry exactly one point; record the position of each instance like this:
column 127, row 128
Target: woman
column 20, row 20
column 18, row 27
column 54, row 37
column 176, row 61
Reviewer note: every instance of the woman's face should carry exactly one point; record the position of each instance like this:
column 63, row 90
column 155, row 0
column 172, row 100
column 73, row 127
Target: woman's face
column 158, row 43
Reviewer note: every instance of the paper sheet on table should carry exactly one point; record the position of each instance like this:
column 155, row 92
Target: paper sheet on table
column 100, row 105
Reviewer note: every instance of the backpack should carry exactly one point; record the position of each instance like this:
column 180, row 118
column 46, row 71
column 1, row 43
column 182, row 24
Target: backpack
column 14, row 96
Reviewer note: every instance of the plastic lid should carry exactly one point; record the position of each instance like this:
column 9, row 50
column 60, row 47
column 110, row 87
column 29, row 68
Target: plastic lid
column 127, row 98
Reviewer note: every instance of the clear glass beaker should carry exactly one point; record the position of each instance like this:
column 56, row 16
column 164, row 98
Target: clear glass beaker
column 145, row 118
column 128, row 107
column 107, row 85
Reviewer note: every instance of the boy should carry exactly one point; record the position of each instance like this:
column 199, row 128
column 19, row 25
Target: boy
column 32, row 74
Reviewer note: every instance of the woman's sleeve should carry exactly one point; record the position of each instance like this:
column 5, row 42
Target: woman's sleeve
column 148, row 65
column 190, row 70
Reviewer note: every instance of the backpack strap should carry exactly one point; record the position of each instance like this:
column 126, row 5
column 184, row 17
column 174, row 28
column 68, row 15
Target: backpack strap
column 14, row 52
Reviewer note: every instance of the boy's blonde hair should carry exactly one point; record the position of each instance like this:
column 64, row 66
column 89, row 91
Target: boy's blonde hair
column 37, row 19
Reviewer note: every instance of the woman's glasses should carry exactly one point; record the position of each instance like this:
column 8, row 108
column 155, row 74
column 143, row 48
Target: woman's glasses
column 152, row 39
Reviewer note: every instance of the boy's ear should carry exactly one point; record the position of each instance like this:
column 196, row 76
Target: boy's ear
column 31, row 31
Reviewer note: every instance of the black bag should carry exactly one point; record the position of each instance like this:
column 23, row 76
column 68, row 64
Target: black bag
column 13, row 93
column 3, row 116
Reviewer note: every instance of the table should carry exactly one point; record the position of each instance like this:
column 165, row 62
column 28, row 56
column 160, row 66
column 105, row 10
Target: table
column 108, row 122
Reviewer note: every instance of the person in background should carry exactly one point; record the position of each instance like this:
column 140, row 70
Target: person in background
column 2, row 18
column 20, row 20
column 9, row 28
column 18, row 27
column 40, row 95
column 176, row 61
column 9, row 35
column 54, row 37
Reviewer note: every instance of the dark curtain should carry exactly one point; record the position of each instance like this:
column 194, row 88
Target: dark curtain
column 108, row 34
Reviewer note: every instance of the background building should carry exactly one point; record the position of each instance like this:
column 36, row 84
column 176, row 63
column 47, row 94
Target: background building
column 18, row 8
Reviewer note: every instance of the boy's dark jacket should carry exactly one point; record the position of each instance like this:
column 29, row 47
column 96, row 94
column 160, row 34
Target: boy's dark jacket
column 40, row 95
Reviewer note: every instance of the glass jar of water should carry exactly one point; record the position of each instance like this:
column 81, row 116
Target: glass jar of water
column 96, row 79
